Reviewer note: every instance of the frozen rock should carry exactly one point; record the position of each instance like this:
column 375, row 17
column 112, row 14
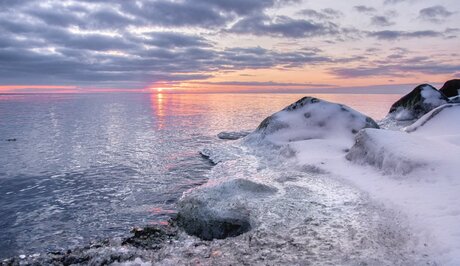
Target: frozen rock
column 451, row 88
column 418, row 102
column 311, row 118
column 443, row 120
column 215, row 211
column 455, row 99
column 200, row 220
column 233, row 135
column 390, row 151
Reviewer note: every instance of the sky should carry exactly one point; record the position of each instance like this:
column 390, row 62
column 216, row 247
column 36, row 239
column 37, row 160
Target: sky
column 226, row 46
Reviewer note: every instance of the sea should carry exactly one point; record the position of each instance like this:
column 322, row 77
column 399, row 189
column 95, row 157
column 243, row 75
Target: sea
column 81, row 167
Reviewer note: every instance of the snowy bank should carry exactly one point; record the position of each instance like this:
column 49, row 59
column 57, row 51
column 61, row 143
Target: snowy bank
column 405, row 178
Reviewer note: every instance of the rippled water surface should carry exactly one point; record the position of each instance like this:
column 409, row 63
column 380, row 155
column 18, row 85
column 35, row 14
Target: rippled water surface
column 87, row 166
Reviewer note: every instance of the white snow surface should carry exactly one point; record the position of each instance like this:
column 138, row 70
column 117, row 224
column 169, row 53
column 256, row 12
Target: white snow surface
column 311, row 118
column 390, row 197
column 431, row 96
column 417, row 173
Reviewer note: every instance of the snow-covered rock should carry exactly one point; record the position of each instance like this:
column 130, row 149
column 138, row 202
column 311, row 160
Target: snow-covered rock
column 455, row 99
column 451, row 88
column 391, row 151
column 311, row 118
column 418, row 102
column 425, row 143
column 442, row 121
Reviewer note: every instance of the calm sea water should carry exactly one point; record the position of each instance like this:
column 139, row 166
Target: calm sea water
column 89, row 166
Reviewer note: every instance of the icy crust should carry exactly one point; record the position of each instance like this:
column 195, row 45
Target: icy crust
column 390, row 151
column 442, row 121
column 418, row 102
column 298, row 214
column 310, row 118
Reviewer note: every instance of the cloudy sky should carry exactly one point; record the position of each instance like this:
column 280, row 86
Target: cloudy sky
column 226, row 45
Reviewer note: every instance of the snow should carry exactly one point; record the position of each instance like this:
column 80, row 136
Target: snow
column 442, row 121
column 405, row 179
column 416, row 173
column 431, row 96
column 311, row 118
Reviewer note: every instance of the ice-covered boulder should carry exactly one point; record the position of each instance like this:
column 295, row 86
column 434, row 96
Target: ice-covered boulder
column 444, row 120
column 418, row 102
column 311, row 118
column 217, row 209
column 451, row 88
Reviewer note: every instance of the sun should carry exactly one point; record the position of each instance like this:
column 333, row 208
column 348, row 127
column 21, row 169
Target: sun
column 159, row 89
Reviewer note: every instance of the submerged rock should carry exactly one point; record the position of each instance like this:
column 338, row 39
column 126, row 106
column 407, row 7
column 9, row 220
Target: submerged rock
column 418, row 102
column 233, row 135
column 451, row 88
column 312, row 118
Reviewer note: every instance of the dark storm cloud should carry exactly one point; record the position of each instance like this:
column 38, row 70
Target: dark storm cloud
column 435, row 14
column 283, row 26
column 381, row 21
column 364, row 9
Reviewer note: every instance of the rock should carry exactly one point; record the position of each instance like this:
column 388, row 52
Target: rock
column 440, row 121
column 198, row 219
column 385, row 150
column 451, row 88
column 418, row 102
column 455, row 99
column 312, row 118
column 214, row 210
column 233, row 135
column 11, row 139
column 152, row 237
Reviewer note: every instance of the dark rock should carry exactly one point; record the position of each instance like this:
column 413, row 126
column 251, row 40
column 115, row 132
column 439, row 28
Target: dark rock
column 233, row 135
column 418, row 102
column 451, row 88
column 152, row 237
column 11, row 139
column 197, row 219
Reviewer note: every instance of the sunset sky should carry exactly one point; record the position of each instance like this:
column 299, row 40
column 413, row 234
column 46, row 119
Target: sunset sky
column 220, row 45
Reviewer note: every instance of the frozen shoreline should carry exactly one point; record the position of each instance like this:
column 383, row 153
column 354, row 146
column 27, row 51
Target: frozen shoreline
column 302, row 190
